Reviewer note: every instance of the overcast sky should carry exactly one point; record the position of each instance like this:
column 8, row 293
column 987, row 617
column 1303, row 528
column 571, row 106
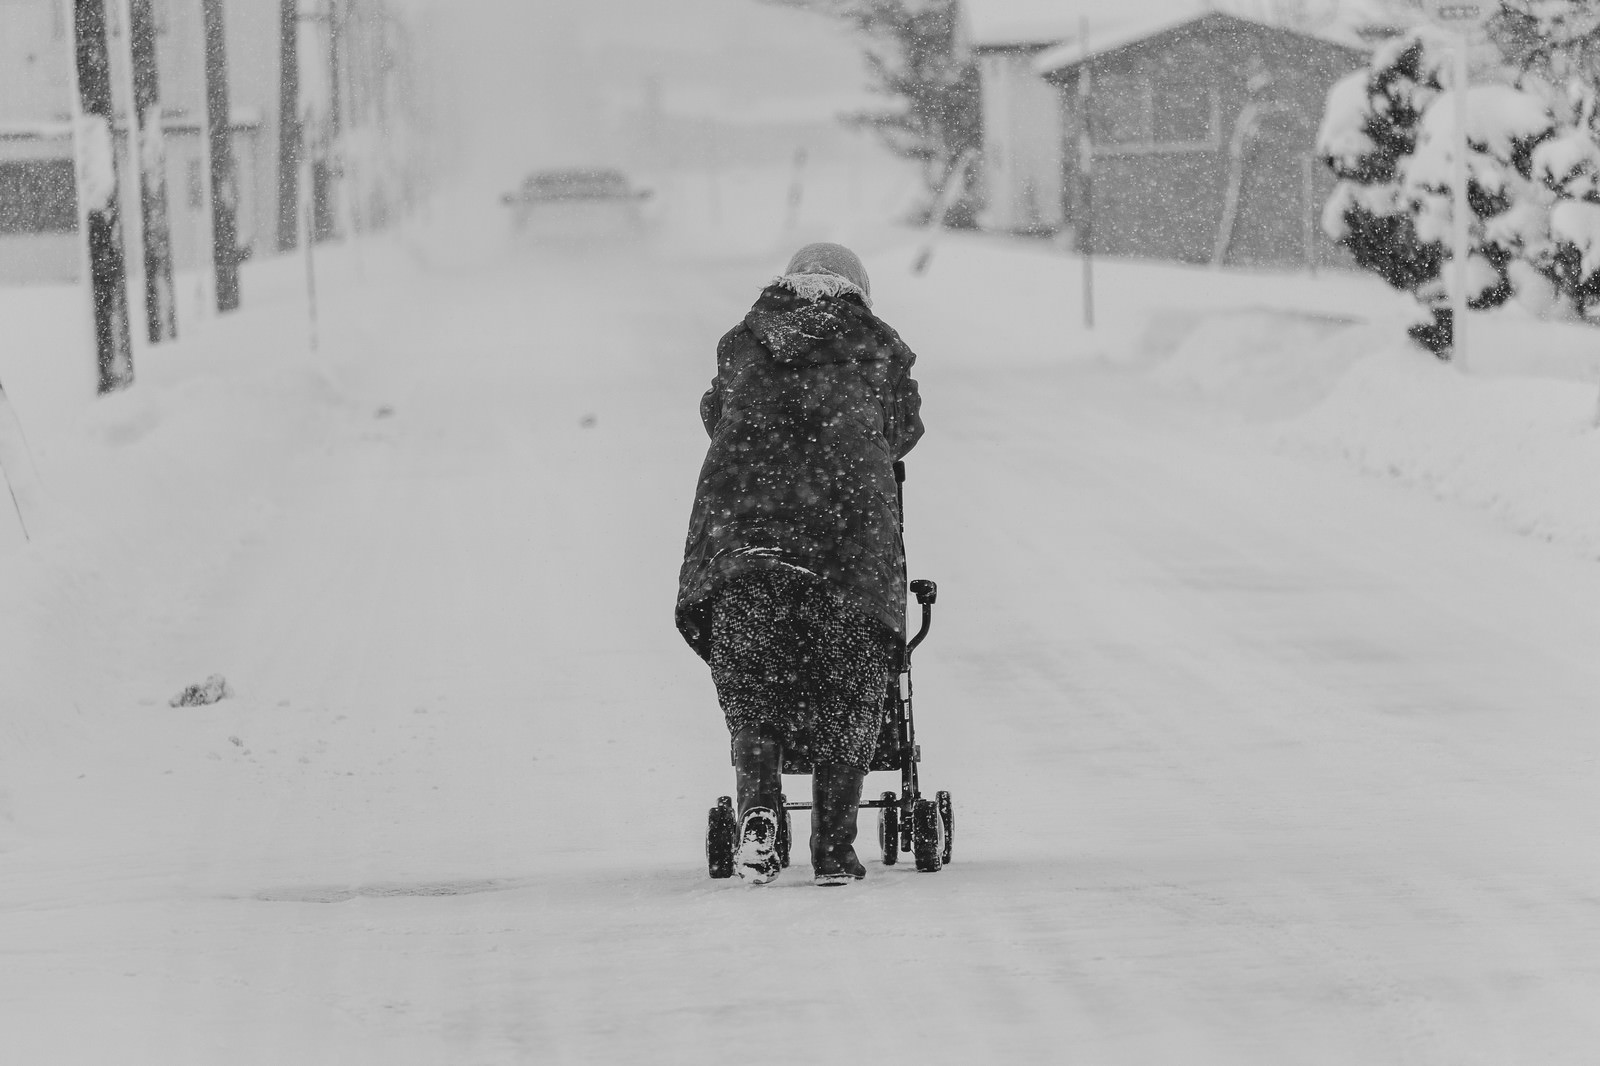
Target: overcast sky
column 540, row 83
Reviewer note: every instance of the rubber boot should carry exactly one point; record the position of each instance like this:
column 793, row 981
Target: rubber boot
column 835, row 799
column 758, row 783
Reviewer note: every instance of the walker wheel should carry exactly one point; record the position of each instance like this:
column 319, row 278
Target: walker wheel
column 722, row 836
column 947, row 817
column 889, row 829
column 927, row 836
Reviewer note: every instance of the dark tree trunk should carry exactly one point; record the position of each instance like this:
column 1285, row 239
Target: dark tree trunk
column 97, row 187
column 219, row 138
column 159, row 306
column 289, row 144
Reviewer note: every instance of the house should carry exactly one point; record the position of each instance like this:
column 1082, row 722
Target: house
column 1202, row 139
column 38, row 213
column 1022, row 163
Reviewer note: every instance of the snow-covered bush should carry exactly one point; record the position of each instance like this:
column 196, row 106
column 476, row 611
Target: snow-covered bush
column 1510, row 209
column 1568, row 165
column 1389, row 134
column 1369, row 130
column 1555, row 47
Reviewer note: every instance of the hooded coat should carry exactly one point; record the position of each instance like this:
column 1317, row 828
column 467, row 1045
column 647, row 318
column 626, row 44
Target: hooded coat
column 812, row 404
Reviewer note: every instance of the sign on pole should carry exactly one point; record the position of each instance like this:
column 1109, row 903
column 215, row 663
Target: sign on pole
column 1470, row 13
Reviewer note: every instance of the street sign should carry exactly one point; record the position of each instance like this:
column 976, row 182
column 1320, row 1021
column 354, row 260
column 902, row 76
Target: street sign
column 1461, row 14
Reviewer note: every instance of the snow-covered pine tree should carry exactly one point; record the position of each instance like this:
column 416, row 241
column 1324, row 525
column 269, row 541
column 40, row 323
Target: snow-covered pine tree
column 1558, row 40
column 1555, row 47
column 1368, row 131
column 1389, row 135
column 1568, row 164
column 1510, row 209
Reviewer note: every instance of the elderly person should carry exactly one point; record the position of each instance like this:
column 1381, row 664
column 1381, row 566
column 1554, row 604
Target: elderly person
column 793, row 583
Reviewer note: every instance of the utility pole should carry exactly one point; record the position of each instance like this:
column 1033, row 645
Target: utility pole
column 219, row 137
column 99, row 212
column 145, row 131
column 289, row 136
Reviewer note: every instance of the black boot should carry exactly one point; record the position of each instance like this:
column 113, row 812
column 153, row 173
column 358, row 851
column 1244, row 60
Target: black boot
column 758, row 782
column 835, row 798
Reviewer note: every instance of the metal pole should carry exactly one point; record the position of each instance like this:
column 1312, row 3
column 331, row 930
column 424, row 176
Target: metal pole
column 1458, row 316
column 219, row 136
column 1086, row 177
column 99, row 211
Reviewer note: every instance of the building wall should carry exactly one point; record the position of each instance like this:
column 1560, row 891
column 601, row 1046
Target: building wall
column 1166, row 112
column 1021, row 149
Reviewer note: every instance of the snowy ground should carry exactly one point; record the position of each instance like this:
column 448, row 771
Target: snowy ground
column 1257, row 759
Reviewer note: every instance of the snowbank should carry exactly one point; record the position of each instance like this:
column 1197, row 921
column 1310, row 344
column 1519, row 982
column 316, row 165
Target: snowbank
column 1525, row 449
column 1320, row 364
column 1516, row 435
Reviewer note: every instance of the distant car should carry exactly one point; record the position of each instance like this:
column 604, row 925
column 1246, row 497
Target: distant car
column 585, row 191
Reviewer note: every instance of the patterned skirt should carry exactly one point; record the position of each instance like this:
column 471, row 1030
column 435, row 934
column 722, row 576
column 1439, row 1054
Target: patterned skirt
column 787, row 653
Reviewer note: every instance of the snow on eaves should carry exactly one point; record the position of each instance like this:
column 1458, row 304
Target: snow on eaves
column 1039, row 23
column 1116, row 35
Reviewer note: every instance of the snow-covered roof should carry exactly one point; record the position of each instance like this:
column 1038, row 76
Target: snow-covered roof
column 1040, row 23
column 1115, row 36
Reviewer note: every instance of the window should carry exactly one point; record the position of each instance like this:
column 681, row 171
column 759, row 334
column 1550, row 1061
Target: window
column 38, row 196
column 1134, row 113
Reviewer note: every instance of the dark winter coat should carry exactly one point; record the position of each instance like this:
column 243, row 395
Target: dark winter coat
column 812, row 404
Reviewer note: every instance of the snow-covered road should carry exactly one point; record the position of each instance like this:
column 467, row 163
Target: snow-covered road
column 1255, row 761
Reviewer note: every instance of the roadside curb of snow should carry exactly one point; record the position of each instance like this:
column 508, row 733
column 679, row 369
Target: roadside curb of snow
column 1525, row 450
column 1516, row 438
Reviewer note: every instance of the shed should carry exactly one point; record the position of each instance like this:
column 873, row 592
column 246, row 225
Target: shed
column 1202, row 134
column 1021, row 168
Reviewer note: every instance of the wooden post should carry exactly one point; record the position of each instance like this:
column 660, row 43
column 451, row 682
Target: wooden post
column 219, row 137
column 99, row 211
column 289, row 143
column 161, row 318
